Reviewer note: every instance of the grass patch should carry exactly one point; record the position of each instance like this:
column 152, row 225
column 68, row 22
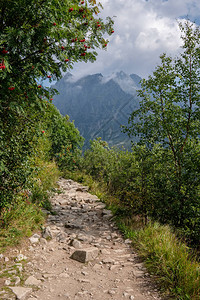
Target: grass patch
column 176, row 270
column 169, row 259
column 24, row 216
column 19, row 221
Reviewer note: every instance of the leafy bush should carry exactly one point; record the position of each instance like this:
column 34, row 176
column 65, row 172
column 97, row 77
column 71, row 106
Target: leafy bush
column 66, row 142
column 144, row 180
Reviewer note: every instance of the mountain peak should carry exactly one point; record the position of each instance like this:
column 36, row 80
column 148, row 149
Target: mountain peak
column 125, row 81
column 121, row 75
column 98, row 104
column 67, row 76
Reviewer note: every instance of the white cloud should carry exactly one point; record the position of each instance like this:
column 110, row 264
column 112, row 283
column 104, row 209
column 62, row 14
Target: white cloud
column 143, row 31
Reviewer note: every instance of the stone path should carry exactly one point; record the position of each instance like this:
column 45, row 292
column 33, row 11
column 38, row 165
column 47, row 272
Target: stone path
column 80, row 255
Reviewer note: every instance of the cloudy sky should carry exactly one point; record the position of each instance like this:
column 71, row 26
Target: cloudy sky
column 144, row 29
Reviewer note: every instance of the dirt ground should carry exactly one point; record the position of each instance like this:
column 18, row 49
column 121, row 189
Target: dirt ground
column 79, row 255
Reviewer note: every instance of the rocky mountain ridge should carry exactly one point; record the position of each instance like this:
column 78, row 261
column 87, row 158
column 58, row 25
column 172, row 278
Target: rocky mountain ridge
column 99, row 104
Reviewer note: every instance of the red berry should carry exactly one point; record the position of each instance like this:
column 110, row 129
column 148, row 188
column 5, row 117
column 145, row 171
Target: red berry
column 82, row 41
column 112, row 31
column 39, row 86
column 66, row 59
column 4, row 51
column 63, row 48
column 33, row 67
column 71, row 9
column 54, row 24
column 51, row 99
column 98, row 25
column 43, row 131
column 83, row 54
column 82, row 2
column 48, row 76
column 11, row 88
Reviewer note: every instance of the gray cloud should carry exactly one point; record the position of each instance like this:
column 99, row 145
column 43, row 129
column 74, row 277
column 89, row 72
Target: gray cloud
column 143, row 31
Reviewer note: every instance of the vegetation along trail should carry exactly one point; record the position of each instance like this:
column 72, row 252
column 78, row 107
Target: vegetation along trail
column 80, row 255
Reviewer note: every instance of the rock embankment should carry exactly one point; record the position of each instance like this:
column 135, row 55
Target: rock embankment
column 80, row 255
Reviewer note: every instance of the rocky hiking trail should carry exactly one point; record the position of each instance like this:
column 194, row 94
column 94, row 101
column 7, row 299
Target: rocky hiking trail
column 80, row 255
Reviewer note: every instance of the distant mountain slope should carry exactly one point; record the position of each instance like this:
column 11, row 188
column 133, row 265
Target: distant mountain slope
column 99, row 105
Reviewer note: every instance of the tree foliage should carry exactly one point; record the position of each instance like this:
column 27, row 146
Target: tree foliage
column 169, row 115
column 160, row 178
column 39, row 40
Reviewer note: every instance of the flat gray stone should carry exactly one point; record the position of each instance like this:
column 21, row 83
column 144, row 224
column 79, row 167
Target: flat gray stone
column 21, row 292
column 107, row 212
column 73, row 225
column 64, row 275
column 43, row 242
column 85, row 255
column 82, row 189
column 34, row 239
column 108, row 261
column 46, row 234
column 128, row 241
column 7, row 282
column 138, row 273
column 32, row 281
column 76, row 244
column 17, row 280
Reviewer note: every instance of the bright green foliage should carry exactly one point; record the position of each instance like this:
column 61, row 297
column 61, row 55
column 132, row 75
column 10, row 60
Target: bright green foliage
column 122, row 171
column 37, row 37
column 170, row 100
column 17, row 135
column 66, row 142
column 169, row 115
column 44, row 172
column 99, row 159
